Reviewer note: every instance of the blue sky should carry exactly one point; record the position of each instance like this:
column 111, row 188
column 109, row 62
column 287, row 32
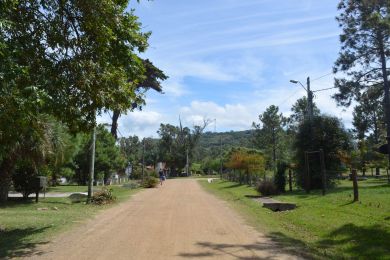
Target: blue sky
column 230, row 59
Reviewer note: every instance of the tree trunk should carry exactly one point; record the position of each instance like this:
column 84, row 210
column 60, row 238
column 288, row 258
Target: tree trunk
column 355, row 186
column 377, row 171
column 5, row 179
column 114, row 124
column 386, row 102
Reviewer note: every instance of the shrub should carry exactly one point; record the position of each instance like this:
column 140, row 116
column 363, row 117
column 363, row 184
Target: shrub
column 103, row 197
column 267, row 188
column 150, row 182
column 23, row 179
column 280, row 177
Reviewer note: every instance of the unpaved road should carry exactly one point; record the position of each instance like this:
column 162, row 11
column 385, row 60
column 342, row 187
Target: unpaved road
column 176, row 221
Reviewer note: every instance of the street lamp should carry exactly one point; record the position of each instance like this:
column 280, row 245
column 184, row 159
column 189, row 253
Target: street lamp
column 309, row 96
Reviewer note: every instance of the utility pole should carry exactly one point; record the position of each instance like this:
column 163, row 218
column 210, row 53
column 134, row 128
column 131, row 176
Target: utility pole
column 220, row 159
column 187, row 166
column 309, row 100
column 143, row 158
column 91, row 166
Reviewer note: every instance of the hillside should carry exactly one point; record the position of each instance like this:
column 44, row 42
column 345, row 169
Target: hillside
column 211, row 143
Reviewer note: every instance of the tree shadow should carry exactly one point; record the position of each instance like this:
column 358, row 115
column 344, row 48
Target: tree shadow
column 371, row 242
column 15, row 242
column 276, row 244
column 17, row 202
column 233, row 186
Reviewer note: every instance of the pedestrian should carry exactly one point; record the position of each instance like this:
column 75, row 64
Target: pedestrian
column 162, row 176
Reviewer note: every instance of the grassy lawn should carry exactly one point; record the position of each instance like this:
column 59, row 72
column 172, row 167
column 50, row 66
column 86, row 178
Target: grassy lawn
column 23, row 226
column 328, row 226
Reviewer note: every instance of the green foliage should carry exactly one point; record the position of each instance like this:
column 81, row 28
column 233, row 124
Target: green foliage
column 323, row 132
column 175, row 142
column 108, row 157
column 150, row 182
column 269, row 133
column 280, row 176
column 24, row 177
column 103, row 197
column 245, row 165
column 68, row 59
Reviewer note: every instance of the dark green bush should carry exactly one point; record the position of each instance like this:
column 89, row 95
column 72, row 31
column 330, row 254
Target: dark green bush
column 24, row 178
column 150, row 182
column 280, row 177
column 267, row 188
column 103, row 197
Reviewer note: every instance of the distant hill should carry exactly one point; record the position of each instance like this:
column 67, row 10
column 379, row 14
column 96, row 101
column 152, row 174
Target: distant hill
column 210, row 142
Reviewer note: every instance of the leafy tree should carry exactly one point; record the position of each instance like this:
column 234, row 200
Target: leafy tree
column 69, row 59
column 176, row 142
column 151, row 80
column 269, row 132
column 299, row 112
column 249, row 163
column 364, row 52
column 329, row 135
column 108, row 158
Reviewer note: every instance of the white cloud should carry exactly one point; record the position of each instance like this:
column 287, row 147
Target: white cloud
column 229, row 116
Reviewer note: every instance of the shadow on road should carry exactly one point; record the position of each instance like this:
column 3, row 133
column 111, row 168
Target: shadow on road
column 276, row 245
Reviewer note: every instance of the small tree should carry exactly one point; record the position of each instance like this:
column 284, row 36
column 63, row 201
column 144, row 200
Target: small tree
column 325, row 133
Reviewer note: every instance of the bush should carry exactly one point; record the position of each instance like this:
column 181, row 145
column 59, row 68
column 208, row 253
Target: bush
column 280, row 177
column 267, row 188
column 23, row 179
column 150, row 182
column 103, row 197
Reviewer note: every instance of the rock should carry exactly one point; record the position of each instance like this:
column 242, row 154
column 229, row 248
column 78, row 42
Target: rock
column 77, row 197
column 279, row 206
column 42, row 208
column 55, row 208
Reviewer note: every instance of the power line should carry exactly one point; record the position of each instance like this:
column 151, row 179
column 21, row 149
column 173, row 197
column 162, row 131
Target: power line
column 324, row 89
column 323, row 76
column 285, row 100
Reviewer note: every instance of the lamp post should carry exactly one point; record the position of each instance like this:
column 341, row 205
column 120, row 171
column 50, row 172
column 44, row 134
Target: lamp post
column 309, row 96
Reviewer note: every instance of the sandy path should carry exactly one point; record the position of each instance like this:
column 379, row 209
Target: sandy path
column 178, row 220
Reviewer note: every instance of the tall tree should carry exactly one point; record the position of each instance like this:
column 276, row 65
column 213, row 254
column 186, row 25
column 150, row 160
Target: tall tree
column 268, row 132
column 178, row 141
column 70, row 59
column 364, row 52
column 152, row 76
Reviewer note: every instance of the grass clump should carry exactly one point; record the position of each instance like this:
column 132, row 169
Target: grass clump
column 150, row 182
column 103, row 197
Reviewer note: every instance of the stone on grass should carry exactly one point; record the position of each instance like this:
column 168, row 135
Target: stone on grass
column 77, row 197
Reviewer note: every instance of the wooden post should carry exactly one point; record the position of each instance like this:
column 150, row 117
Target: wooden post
column 323, row 171
column 289, row 180
column 355, row 186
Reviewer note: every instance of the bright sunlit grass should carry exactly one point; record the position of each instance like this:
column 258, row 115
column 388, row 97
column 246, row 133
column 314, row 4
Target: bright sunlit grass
column 328, row 226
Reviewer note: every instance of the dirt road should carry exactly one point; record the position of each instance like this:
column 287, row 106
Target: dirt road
column 178, row 220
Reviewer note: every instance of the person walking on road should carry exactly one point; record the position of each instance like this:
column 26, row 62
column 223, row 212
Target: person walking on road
column 162, row 176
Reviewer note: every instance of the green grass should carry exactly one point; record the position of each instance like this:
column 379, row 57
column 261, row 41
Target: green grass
column 23, row 226
column 328, row 226
column 68, row 188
